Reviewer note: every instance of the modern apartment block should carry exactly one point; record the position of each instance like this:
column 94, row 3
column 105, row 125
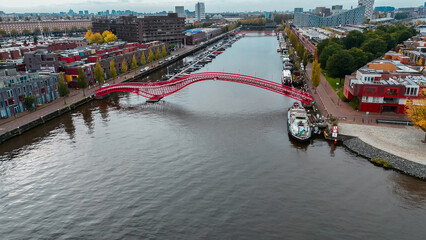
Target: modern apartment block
column 44, row 25
column 41, row 60
column 350, row 17
column 168, row 28
column 200, row 11
column 385, row 86
column 368, row 7
column 16, row 86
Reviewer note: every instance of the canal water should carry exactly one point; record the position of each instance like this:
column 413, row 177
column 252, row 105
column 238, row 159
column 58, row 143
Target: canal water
column 213, row 161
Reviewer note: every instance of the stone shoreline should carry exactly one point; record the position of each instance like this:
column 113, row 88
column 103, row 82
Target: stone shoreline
column 402, row 165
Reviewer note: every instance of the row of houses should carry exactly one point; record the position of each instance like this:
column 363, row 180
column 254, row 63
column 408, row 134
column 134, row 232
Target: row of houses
column 15, row 87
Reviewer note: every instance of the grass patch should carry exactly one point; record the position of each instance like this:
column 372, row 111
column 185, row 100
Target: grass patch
column 334, row 82
column 342, row 96
column 381, row 162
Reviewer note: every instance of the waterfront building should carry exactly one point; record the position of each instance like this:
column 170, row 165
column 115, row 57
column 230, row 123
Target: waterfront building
column 41, row 60
column 349, row 17
column 16, row 86
column 298, row 10
column 368, row 7
column 180, row 10
column 41, row 25
column 385, row 86
column 200, row 11
column 168, row 28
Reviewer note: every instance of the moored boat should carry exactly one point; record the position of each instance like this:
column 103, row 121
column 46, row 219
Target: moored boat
column 299, row 126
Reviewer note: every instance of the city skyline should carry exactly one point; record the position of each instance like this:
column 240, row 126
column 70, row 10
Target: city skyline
column 46, row 6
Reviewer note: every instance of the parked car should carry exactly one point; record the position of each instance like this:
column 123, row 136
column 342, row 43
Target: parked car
column 105, row 85
column 144, row 69
column 160, row 62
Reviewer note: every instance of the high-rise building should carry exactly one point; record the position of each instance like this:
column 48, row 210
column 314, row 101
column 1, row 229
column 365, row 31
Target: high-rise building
column 368, row 7
column 354, row 17
column 200, row 11
column 86, row 12
column 298, row 10
column 180, row 10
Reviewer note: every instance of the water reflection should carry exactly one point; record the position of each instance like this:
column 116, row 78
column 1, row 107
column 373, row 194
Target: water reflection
column 413, row 194
column 88, row 119
column 69, row 127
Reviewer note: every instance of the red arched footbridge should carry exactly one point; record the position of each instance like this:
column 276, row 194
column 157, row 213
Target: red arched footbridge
column 158, row 90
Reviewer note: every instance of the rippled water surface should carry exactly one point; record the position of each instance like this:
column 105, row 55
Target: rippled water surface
column 213, row 161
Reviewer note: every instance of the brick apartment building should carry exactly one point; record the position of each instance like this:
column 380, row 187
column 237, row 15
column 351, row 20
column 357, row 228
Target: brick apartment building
column 168, row 28
column 51, row 25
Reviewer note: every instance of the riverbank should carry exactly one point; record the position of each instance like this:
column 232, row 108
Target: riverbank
column 399, row 145
column 25, row 121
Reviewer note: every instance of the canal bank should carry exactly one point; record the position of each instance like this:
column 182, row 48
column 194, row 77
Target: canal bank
column 18, row 126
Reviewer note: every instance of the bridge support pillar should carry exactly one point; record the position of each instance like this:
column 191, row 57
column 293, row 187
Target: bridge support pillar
column 153, row 100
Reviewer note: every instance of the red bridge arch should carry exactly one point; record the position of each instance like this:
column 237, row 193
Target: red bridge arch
column 159, row 90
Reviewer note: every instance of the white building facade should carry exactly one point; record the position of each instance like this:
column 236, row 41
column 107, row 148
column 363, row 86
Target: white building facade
column 200, row 11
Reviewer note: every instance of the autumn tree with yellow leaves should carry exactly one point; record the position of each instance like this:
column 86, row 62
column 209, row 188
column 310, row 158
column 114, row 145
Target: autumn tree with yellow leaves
column 416, row 111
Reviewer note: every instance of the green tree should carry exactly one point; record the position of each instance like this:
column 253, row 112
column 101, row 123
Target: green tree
column 327, row 52
column 375, row 46
column 29, row 102
column 353, row 39
column 26, row 31
column 143, row 60
column 305, row 59
column 46, row 29
column 74, row 28
column 99, row 73
column 35, row 39
column 164, row 51
column 37, row 31
column 123, row 66
column 2, row 32
column 56, row 29
column 150, row 56
column 82, row 80
column 400, row 16
column 360, row 58
column 112, row 70
column 340, row 64
column 403, row 36
column 324, row 43
column 63, row 89
column 157, row 54
column 134, row 62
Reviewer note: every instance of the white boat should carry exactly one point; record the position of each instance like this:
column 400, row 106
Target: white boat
column 286, row 78
column 298, row 123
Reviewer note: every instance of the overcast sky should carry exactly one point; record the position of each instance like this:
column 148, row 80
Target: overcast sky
column 20, row 6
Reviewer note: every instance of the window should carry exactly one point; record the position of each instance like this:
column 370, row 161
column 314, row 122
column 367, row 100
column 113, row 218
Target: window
column 10, row 101
column 370, row 90
column 22, row 98
column 391, row 91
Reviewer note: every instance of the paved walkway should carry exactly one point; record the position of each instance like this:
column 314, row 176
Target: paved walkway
column 330, row 104
column 75, row 96
column 402, row 141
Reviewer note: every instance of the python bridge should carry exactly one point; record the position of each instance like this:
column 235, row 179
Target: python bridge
column 154, row 91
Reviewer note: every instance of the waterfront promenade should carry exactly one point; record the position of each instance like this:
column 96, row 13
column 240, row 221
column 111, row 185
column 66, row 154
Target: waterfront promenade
column 23, row 118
